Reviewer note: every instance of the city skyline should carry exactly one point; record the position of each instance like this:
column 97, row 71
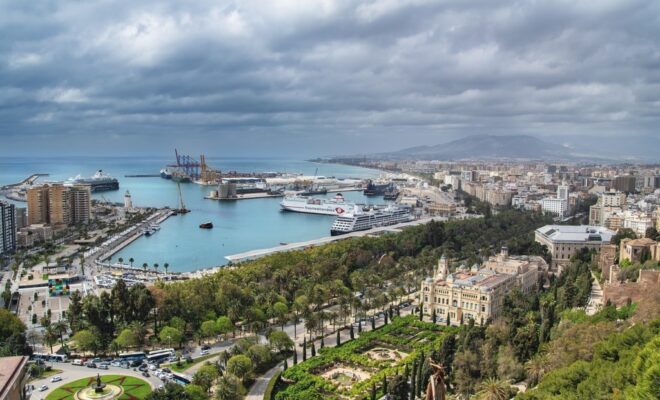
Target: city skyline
column 333, row 78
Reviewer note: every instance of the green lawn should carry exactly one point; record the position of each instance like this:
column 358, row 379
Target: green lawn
column 134, row 388
column 185, row 365
column 46, row 374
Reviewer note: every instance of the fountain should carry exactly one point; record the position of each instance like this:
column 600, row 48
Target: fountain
column 99, row 391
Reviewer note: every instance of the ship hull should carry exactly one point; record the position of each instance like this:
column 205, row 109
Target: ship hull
column 305, row 210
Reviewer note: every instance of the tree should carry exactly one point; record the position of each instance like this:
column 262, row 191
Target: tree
column 156, row 267
column 295, row 357
column 208, row 329
column 229, row 388
column 259, row 355
column 280, row 311
column 144, row 267
column 352, row 332
column 166, row 266
column 131, row 260
column 240, row 366
column 313, row 350
column 126, row 339
column 171, row 391
column 304, row 350
column 224, row 325
column 338, row 339
column 535, row 368
column 170, row 335
column 493, row 389
column 194, row 392
column 280, row 341
column 205, row 377
column 85, row 340
column 434, row 317
column 398, row 388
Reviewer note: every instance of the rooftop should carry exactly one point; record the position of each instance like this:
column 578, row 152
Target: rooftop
column 576, row 233
column 9, row 371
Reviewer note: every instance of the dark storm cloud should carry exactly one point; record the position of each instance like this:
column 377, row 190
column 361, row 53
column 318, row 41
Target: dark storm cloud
column 324, row 77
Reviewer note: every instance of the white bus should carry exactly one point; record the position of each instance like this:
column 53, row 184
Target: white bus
column 158, row 356
column 133, row 356
column 49, row 357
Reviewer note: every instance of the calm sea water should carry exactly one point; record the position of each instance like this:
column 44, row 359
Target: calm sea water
column 238, row 226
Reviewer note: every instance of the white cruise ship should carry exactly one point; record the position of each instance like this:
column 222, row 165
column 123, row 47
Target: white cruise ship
column 311, row 205
column 362, row 221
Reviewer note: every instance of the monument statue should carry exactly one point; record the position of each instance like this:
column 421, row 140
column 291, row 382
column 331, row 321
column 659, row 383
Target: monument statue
column 98, row 388
column 436, row 390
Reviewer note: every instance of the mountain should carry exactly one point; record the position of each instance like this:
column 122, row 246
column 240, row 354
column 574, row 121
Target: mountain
column 486, row 147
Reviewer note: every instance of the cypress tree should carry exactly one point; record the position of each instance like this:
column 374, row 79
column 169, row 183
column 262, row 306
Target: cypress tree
column 295, row 356
column 360, row 326
column 461, row 318
column 420, row 380
column 313, row 350
column 352, row 333
column 434, row 317
column 421, row 312
column 385, row 384
column 413, row 377
column 373, row 391
column 448, row 320
column 285, row 366
column 385, row 318
column 398, row 312
column 304, row 349
column 373, row 323
column 406, row 372
column 338, row 339
column 391, row 311
column 322, row 341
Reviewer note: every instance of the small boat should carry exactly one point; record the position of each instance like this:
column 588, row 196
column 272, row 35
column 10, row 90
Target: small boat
column 206, row 225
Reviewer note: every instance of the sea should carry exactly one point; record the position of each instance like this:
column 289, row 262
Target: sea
column 239, row 226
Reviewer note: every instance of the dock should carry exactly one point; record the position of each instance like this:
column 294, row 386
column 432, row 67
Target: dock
column 254, row 254
column 142, row 176
column 246, row 196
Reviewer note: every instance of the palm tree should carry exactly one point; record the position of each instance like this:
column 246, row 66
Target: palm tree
column 121, row 260
column 166, row 266
column 493, row 389
column 144, row 267
column 130, row 260
column 536, row 368
column 60, row 327
column 156, row 267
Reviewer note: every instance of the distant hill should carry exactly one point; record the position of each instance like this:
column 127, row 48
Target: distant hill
column 486, row 147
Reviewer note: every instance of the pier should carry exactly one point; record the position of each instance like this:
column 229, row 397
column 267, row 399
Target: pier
column 142, row 176
column 246, row 196
column 254, row 254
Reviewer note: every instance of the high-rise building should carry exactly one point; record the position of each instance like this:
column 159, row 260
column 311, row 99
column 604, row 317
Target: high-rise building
column 80, row 199
column 7, row 228
column 624, row 183
column 37, row 205
column 59, row 205
column 21, row 218
column 562, row 192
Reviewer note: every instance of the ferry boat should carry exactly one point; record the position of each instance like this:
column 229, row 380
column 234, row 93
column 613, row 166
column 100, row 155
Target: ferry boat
column 362, row 221
column 314, row 190
column 99, row 182
column 311, row 205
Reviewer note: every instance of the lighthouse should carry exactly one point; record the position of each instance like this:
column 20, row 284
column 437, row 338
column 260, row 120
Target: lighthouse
column 128, row 201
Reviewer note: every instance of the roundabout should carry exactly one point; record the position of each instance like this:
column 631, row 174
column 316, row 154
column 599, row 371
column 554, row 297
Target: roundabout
column 108, row 387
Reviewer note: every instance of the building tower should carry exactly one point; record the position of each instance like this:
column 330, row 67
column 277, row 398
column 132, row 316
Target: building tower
column 59, row 205
column 7, row 228
column 81, row 204
column 443, row 269
column 562, row 192
column 37, row 205
column 128, row 201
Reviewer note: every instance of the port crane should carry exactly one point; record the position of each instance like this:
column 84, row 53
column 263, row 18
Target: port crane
column 182, row 207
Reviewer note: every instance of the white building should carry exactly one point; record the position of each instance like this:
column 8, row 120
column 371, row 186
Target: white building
column 638, row 222
column 555, row 206
column 563, row 241
column 128, row 200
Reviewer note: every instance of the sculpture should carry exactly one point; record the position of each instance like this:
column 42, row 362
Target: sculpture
column 98, row 387
column 436, row 390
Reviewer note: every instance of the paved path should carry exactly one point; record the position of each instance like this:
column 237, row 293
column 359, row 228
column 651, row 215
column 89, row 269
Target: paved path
column 595, row 297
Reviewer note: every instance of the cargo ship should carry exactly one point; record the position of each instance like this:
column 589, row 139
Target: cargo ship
column 99, row 182
column 335, row 206
column 165, row 173
column 391, row 194
column 362, row 221
column 377, row 189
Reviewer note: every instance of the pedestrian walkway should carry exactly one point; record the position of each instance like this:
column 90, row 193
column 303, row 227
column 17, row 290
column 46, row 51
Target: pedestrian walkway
column 595, row 297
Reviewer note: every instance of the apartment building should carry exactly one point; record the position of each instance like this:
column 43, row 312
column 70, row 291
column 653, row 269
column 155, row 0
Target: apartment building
column 7, row 228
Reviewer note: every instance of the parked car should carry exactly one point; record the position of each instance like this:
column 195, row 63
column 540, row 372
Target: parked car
column 103, row 366
column 56, row 378
column 91, row 364
column 169, row 371
column 43, row 388
column 116, row 364
column 143, row 367
column 206, row 347
column 135, row 363
column 152, row 367
column 97, row 360
column 204, row 352
column 108, row 359
column 77, row 362
column 145, row 374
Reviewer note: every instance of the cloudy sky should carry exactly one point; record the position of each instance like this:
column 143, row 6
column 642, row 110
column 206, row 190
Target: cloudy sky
column 324, row 77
